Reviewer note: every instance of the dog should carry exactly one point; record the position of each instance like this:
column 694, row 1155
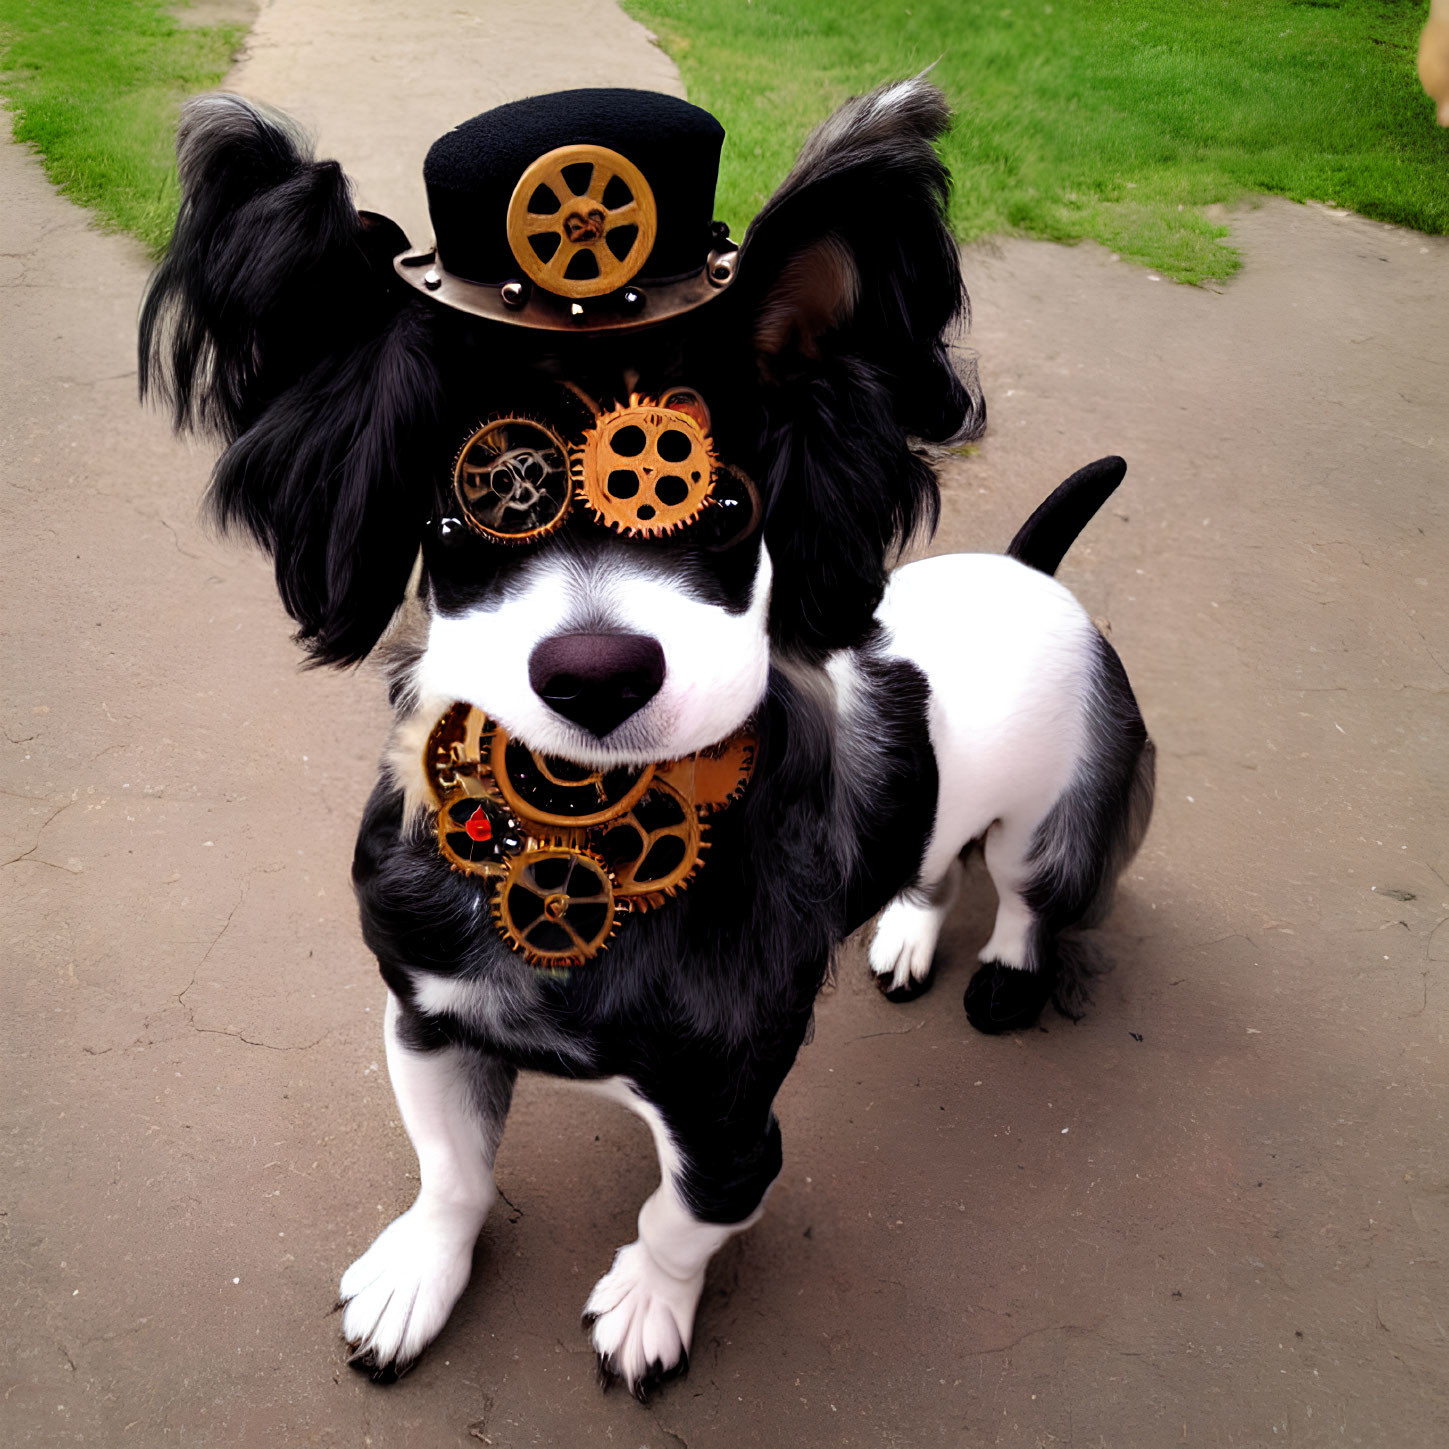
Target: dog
column 445, row 451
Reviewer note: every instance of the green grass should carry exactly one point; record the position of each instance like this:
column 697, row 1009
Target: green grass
column 1114, row 120
column 95, row 86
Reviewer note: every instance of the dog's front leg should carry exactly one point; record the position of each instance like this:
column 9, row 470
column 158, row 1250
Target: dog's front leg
column 453, row 1100
column 712, row 1185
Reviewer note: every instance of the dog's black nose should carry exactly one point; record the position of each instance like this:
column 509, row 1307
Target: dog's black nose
column 597, row 680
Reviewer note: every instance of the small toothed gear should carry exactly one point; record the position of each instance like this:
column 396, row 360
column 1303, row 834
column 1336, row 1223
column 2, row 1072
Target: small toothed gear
column 722, row 771
column 457, row 750
column 477, row 835
column 654, row 848
column 558, row 793
column 645, row 470
column 556, row 906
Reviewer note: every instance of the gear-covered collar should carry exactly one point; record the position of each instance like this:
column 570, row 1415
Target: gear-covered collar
column 566, row 850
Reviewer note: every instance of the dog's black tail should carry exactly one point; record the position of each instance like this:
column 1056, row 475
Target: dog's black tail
column 1043, row 540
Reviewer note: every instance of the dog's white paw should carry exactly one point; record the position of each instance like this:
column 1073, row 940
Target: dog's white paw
column 904, row 944
column 642, row 1319
column 396, row 1297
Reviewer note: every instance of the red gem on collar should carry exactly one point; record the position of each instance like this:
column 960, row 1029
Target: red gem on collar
column 478, row 825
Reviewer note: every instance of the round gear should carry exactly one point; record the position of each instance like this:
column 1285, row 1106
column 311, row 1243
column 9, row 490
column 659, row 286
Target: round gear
column 511, row 480
column 477, row 836
column 545, row 790
column 644, row 470
column 654, row 848
column 582, row 221
column 722, row 771
column 556, row 906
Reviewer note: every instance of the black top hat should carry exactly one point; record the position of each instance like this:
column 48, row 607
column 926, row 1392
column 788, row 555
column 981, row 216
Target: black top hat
column 582, row 210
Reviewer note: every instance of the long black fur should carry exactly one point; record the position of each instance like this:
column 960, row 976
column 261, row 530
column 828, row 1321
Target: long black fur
column 846, row 485
column 275, row 322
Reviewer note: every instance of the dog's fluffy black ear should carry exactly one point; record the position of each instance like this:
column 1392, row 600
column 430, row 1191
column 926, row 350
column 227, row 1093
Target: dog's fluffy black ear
column 275, row 322
column 850, row 283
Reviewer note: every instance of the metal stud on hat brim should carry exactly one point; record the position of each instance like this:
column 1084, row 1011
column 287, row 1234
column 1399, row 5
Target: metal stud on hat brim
column 522, row 304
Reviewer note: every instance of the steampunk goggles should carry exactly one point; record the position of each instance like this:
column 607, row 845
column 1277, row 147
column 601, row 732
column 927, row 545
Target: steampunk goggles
column 645, row 469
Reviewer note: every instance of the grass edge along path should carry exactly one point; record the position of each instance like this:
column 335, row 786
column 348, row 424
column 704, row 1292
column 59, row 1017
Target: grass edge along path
column 95, row 85
column 1115, row 121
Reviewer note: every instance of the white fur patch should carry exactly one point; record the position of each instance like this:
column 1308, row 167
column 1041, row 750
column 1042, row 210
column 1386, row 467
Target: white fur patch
column 904, row 943
column 643, row 1316
column 1008, row 653
column 643, row 1307
column 402, row 757
column 716, row 663
column 399, row 1293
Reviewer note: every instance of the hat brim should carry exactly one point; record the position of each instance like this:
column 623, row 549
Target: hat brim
column 630, row 308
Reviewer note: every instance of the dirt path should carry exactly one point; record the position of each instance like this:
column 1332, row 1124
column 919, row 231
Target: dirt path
column 377, row 81
column 1215, row 1212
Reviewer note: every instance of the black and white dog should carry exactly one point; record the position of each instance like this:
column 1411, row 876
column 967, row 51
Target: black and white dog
column 900, row 718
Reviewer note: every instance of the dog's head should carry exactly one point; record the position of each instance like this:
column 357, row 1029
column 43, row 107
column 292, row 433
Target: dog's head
column 369, row 425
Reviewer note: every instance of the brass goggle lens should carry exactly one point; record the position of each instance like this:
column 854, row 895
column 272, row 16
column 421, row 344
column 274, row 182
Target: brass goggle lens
column 644, row 469
column 511, row 480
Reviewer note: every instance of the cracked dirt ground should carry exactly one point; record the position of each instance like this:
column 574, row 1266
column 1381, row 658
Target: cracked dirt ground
column 1215, row 1212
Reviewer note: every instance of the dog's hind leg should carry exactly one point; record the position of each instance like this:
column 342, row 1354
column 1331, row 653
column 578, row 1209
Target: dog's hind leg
column 1015, row 978
column 714, row 1172
column 1055, row 876
column 453, row 1099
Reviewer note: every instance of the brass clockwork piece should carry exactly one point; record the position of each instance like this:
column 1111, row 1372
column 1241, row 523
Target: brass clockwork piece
column 558, row 793
column 456, row 747
column 556, row 905
column 477, row 835
column 722, row 771
column 563, row 849
column 654, row 847
column 511, row 480
column 645, row 469
column 582, row 221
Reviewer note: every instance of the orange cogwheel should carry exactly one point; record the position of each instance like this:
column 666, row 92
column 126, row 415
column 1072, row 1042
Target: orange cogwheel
column 722, row 771
column 654, row 848
column 645, row 470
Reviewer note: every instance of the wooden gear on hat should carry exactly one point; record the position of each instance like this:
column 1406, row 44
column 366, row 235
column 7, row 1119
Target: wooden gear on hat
column 612, row 238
